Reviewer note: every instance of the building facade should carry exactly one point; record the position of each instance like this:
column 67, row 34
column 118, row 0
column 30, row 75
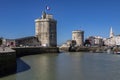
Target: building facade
column 45, row 34
column 21, row 42
column 96, row 40
column 78, row 36
column 46, row 30
column 113, row 40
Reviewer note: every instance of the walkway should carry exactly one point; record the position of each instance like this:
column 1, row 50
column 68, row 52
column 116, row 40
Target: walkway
column 7, row 49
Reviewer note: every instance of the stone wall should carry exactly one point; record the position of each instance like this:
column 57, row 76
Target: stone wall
column 46, row 30
column 7, row 63
column 22, row 51
column 78, row 36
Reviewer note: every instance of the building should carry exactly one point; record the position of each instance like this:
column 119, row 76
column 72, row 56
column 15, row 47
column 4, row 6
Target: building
column 21, row 42
column 117, row 40
column 111, row 33
column 71, row 43
column 45, row 34
column 78, row 36
column 9, row 42
column 95, row 40
column 46, row 30
column 113, row 40
column 109, row 41
column 27, row 41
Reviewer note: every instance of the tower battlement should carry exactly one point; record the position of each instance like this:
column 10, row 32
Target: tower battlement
column 45, row 30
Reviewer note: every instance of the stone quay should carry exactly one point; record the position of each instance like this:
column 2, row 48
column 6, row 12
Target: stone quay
column 8, row 63
column 22, row 51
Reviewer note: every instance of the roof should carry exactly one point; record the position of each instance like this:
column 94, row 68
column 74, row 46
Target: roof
column 28, row 37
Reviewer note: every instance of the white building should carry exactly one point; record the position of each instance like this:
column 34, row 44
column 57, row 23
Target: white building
column 96, row 40
column 113, row 40
column 117, row 39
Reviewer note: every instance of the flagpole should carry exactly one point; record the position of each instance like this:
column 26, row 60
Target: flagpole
column 46, row 7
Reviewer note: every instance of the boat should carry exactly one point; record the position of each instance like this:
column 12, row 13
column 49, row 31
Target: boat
column 117, row 52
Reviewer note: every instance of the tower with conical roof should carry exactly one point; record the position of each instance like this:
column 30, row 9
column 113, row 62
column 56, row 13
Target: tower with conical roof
column 111, row 33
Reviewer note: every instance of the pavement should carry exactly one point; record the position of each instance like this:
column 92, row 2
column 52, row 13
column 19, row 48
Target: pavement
column 7, row 49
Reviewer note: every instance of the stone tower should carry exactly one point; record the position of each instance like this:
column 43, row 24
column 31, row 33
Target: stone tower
column 111, row 32
column 46, row 31
column 78, row 36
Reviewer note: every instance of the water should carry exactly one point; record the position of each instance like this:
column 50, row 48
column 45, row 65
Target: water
column 68, row 66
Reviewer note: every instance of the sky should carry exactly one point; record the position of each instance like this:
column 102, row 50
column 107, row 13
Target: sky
column 94, row 17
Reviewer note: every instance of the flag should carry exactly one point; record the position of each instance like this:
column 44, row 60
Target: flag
column 47, row 7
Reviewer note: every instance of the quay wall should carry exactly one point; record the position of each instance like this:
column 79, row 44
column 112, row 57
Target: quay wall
column 8, row 63
column 22, row 51
column 84, row 49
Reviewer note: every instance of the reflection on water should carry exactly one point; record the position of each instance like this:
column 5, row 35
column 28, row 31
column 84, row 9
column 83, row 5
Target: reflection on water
column 68, row 66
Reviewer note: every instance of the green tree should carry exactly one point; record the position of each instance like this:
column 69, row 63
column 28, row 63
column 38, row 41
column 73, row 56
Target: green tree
column 0, row 41
column 87, row 42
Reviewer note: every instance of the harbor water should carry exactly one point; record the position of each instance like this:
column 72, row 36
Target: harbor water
column 67, row 66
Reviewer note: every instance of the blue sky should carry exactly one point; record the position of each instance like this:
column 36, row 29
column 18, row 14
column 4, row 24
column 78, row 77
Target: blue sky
column 95, row 17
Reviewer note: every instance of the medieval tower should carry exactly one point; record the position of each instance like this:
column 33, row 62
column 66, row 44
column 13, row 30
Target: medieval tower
column 46, row 31
column 78, row 36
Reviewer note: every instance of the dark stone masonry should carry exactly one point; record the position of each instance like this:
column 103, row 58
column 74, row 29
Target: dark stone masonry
column 7, row 63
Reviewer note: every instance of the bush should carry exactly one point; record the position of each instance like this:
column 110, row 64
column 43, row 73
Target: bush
column 0, row 41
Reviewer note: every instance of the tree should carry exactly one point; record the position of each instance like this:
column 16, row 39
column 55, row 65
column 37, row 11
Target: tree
column 87, row 42
column 0, row 41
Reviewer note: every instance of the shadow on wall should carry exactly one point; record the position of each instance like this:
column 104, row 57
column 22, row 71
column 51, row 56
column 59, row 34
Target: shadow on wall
column 15, row 67
column 22, row 66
